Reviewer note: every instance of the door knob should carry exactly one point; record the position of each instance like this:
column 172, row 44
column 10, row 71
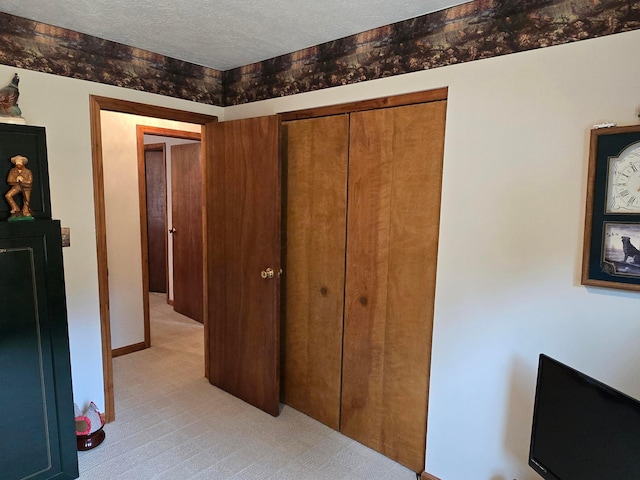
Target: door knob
column 172, row 230
column 268, row 273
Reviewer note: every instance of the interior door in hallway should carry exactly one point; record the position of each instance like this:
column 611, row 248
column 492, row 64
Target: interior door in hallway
column 243, row 237
column 156, row 188
column 187, row 230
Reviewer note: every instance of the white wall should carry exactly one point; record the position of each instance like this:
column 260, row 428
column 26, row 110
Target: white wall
column 513, row 200
column 62, row 106
column 122, row 214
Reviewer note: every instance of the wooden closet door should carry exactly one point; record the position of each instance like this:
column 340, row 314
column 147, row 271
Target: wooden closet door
column 315, row 156
column 395, row 171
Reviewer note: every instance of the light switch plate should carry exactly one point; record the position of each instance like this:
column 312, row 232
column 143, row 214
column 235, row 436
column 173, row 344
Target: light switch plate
column 66, row 236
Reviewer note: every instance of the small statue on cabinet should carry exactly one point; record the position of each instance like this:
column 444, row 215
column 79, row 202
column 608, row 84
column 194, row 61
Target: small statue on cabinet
column 20, row 179
column 9, row 110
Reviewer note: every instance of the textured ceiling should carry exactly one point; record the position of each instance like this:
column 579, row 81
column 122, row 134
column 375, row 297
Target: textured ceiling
column 221, row 34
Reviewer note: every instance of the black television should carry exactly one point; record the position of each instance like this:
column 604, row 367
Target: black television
column 582, row 429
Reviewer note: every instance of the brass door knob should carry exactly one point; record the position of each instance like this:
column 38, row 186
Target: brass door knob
column 268, row 273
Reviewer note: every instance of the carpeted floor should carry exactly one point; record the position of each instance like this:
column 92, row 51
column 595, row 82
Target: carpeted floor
column 172, row 424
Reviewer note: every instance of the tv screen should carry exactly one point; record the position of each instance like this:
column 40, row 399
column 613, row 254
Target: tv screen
column 582, row 429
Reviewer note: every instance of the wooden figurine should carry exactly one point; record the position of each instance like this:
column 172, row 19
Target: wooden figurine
column 20, row 179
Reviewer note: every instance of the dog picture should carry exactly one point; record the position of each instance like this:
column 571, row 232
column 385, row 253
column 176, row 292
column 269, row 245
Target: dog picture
column 630, row 252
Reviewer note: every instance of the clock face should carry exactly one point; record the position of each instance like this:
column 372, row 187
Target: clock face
column 623, row 181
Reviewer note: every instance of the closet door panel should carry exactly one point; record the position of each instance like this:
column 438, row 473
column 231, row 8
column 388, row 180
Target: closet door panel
column 315, row 162
column 368, row 223
column 394, row 203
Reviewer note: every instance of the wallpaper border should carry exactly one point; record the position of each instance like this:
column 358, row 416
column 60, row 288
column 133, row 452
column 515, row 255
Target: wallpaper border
column 473, row 31
column 44, row 48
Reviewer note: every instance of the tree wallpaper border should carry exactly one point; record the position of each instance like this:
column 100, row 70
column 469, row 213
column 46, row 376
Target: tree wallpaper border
column 473, row 31
column 44, row 48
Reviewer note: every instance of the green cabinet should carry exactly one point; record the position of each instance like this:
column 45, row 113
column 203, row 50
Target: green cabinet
column 37, row 430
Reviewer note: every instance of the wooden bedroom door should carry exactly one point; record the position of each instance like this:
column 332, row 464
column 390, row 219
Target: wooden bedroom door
column 186, row 214
column 395, row 172
column 243, row 238
column 156, row 188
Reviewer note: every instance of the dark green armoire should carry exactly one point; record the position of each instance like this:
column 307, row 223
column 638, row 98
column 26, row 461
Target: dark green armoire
column 37, row 428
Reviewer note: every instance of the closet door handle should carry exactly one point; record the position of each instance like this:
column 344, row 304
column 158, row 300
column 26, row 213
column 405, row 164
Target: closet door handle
column 172, row 230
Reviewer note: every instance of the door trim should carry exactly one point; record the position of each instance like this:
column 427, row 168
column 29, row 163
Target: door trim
column 136, row 347
column 96, row 105
column 372, row 104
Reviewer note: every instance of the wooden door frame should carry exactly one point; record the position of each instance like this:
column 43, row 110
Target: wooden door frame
column 96, row 105
column 364, row 105
column 141, row 130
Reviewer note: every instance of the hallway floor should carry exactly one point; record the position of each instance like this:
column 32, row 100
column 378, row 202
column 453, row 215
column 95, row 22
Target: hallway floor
column 172, row 424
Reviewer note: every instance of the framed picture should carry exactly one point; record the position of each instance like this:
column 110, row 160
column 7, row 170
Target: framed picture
column 611, row 255
column 29, row 142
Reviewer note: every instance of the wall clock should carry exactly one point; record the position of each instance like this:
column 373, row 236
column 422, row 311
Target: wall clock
column 623, row 181
column 611, row 255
